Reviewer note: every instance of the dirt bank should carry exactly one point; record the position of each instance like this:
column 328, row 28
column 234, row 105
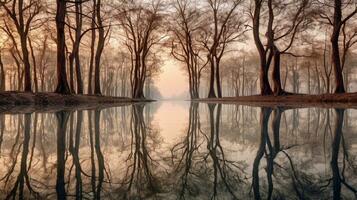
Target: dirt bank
column 22, row 102
column 348, row 100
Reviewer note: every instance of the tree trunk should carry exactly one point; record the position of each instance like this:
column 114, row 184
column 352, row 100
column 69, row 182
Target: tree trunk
column 2, row 76
column 100, row 47
column 265, row 88
column 92, row 48
column 62, row 84
column 71, row 72
column 277, row 88
column 211, row 92
column 26, row 61
column 336, row 60
column 77, row 43
column 35, row 80
column 218, row 79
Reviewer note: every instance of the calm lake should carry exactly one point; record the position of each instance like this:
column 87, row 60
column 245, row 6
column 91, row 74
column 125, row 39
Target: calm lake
column 180, row 150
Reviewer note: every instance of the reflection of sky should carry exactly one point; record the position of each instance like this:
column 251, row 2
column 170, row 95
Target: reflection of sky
column 171, row 117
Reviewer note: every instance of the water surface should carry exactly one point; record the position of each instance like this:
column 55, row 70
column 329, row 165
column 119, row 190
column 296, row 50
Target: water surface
column 180, row 150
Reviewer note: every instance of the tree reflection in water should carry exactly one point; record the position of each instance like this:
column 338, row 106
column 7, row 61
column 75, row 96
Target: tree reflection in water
column 223, row 152
column 205, row 172
column 139, row 180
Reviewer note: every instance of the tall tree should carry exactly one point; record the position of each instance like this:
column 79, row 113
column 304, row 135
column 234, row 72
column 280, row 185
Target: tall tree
column 332, row 12
column 286, row 20
column 224, row 27
column 100, row 48
column 62, row 83
column 185, row 47
column 265, row 58
column 141, row 23
column 22, row 14
column 92, row 48
column 74, row 55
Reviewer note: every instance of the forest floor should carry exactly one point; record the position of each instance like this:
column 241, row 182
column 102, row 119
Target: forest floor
column 348, row 100
column 23, row 102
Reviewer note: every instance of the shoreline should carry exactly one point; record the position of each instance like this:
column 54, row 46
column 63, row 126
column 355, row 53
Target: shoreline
column 25, row 102
column 347, row 100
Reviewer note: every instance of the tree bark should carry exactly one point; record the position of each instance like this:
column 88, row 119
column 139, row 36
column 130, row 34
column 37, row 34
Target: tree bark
column 35, row 80
column 77, row 45
column 92, row 49
column 211, row 92
column 218, row 79
column 277, row 87
column 2, row 76
column 62, row 83
column 336, row 60
column 265, row 88
column 100, row 47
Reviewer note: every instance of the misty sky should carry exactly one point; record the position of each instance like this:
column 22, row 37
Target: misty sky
column 172, row 81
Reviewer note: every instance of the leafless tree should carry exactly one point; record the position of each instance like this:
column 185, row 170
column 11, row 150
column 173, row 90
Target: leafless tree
column 337, row 14
column 224, row 26
column 22, row 14
column 185, row 47
column 141, row 23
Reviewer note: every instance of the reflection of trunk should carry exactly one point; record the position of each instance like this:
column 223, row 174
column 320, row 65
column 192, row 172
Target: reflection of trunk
column 273, row 150
column 187, row 147
column 62, row 118
column 216, row 153
column 139, row 173
column 93, row 165
column 23, row 177
column 264, row 119
column 74, row 150
column 335, row 151
column 98, row 151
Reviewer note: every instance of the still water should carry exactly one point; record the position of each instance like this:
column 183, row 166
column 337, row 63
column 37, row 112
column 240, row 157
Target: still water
column 180, row 150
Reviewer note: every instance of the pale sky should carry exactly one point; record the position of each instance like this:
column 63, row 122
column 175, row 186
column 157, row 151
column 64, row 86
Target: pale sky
column 172, row 81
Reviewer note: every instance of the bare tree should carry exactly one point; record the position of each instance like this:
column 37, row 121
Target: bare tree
column 141, row 24
column 22, row 14
column 100, row 47
column 225, row 27
column 332, row 13
column 265, row 58
column 185, row 47
column 286, row 21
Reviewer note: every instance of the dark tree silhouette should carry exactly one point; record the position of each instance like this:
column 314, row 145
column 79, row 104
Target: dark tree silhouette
column 62, row 83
